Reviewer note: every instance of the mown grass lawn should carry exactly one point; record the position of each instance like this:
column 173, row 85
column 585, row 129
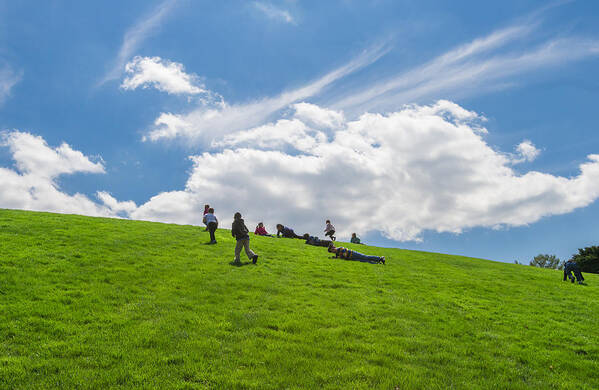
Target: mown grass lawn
column 98, row 303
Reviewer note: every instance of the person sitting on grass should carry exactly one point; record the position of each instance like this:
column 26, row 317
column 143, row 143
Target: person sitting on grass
column 348, row 254
column 241, row 234
column 261, row 230
column 354, row 239
column 211, row 223
column 286, row 232
column 572, row 267
column 329, row 230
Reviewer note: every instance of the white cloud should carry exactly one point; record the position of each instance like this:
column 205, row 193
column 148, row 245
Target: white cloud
column 274, row 13
column 420, row 168
column 525, row 152
column 33, row 185
column 135, row 35
column 208, row 123
column 8, row 79
column 480, row 66
column 164, row 75
column 114, row 205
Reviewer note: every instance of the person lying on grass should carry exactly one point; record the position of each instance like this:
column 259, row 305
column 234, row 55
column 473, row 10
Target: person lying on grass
column 286, row 232
column 211, row 223
column 241, row 234
column 348, row 254
column 261, row 230
column 312, row 240
column 572, row 267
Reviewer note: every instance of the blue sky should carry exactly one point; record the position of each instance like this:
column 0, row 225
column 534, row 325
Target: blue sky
column 461, row 127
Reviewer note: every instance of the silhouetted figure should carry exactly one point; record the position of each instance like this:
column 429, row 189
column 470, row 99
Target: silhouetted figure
column 572, row 267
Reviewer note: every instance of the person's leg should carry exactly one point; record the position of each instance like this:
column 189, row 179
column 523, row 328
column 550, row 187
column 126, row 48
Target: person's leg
column 212, row 229
column 578, row 275
column 238, row 247
column 248, row 251
column 366, row 258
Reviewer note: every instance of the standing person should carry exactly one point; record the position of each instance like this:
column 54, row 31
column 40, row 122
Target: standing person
column 572, row 267
column 348, row 254
column 329, row 230
column 211, row 224
column 261, row 230
column 206, row 208
column 355, row 239
column 287, row 232
column 241, row 234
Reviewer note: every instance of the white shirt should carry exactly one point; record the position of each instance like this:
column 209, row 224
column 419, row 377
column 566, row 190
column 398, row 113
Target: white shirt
column 209, row 218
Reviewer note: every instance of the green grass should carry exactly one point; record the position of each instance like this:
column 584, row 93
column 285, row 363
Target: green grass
column 99, row 303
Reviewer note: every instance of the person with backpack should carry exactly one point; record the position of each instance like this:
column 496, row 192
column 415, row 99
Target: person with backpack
column 241, row 234
column 572, row 267
column 211, row 224
column 348, row 254
column 329, row 230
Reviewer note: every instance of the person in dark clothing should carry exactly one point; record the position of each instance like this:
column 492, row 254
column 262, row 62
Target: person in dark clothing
column 348, row 254
column 241, row 234
column 287, row 232
column 312, row 240
column 211, row 223
column 572, row 267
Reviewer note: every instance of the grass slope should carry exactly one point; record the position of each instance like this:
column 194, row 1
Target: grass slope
column 99, row 303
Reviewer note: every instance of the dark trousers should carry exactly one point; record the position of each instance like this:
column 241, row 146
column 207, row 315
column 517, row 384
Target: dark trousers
column 578, row 275
column 212, row 229
column 330, row 233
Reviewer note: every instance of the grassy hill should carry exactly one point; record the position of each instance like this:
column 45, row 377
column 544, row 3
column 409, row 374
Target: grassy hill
column 97, row 303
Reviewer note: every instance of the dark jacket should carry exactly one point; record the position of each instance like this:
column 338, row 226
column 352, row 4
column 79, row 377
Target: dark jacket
column 286, row 232
column 239, row 230
column 570, row 266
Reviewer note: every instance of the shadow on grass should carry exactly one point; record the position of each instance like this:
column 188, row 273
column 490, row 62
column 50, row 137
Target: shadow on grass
column 239, row 264
column 209, row 243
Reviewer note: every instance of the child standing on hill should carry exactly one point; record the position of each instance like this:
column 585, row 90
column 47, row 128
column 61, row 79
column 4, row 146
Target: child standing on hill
column 329, row 230
column 355, row 239
column 206, row 208
column 211, row 223
column 241, row 233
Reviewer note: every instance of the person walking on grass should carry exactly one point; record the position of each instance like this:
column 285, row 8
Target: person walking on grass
column 241, row 234
column 572, row 267
column 329, row 230
column 348, row 254
column 211, row 224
